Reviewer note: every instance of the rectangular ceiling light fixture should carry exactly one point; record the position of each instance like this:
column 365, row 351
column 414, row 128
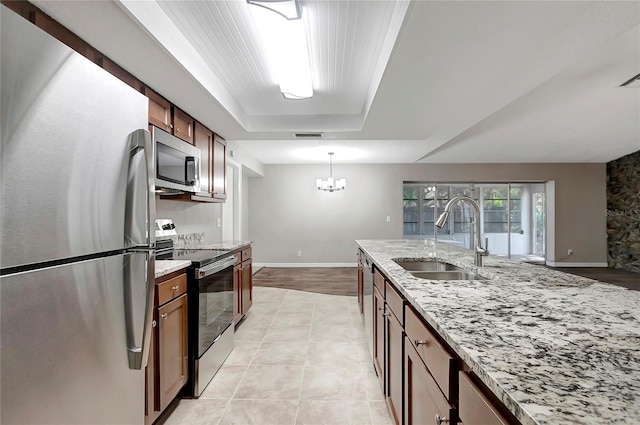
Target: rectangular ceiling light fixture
column 281, row 28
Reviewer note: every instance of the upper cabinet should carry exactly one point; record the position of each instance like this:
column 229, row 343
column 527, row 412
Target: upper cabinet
column 219, row 170
column 168, row 117
column 213, row 164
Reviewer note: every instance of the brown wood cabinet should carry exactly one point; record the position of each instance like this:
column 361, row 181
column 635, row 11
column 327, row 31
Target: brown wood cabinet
column 167, row 368
column 159, row 110
column 168, row 117
column 361, row 282
column 424, row 402
column 219, row 168
column 476, row 406
column 242, row 285
column 182, row 125
column 378, row 334
column 172, row 350
column 394, row 353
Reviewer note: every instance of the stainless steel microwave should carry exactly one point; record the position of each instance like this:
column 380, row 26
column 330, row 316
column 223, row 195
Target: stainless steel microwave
column 177, row 163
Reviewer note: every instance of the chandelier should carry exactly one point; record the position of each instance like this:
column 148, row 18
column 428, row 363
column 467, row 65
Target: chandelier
column 331, row 184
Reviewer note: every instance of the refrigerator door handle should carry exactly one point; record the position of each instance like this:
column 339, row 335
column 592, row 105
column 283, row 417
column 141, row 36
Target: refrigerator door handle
column 135, row 232
column 138, row 344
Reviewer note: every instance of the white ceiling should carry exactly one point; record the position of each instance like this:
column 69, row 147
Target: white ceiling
column 430, row 81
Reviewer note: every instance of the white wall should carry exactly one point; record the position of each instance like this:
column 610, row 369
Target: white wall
column 288, row 214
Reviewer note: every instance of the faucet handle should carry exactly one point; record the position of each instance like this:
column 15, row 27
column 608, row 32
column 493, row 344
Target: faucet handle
column 486, row 246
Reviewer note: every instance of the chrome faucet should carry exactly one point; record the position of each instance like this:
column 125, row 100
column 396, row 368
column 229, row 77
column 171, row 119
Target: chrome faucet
column 480, row 252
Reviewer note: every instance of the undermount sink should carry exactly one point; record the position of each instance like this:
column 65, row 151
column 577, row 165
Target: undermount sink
column 428, row 266
column 447, row 275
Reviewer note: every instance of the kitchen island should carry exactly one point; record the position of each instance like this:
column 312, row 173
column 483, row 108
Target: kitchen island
column 553, row 348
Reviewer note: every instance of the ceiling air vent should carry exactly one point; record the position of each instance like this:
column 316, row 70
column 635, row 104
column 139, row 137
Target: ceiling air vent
column 308, row 135
column 633, row 82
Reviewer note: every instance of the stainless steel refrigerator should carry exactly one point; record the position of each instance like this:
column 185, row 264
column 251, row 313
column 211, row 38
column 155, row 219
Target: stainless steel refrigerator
column 76, row 259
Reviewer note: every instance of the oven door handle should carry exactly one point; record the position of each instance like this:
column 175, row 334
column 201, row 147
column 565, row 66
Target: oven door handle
column 215, row 267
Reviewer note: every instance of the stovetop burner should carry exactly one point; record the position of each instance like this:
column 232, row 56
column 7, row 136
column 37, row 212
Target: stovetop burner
column 198, row 257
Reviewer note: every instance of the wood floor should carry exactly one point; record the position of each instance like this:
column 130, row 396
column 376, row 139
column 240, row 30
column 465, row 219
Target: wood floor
column 618, row 277
column 323, row 280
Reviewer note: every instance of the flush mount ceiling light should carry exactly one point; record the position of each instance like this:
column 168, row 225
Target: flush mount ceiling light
column 281, row 28
column 330, row 184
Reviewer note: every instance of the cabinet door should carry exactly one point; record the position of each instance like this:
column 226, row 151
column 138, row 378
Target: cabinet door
column 172, row 350
column 393, row 365
column 219, row 164
column 237, row 293
column 360, row 288
column 247, row 287
column 203, row 138
column 476, row 408
column 424, row 402
column 378, row 335
column 159, row 110
column 182, row 125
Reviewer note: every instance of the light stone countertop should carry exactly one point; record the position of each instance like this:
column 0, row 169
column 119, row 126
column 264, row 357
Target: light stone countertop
column 164, row 267
column 554, row 348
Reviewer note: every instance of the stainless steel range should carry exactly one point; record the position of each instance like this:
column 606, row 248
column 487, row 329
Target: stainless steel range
column 210, row 313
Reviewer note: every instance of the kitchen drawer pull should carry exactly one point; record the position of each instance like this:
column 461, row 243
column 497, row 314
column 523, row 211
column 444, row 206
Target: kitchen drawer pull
column 165, row 315
column 178, row 130
column 418, row 342
column 175, row 288
column 441, row 420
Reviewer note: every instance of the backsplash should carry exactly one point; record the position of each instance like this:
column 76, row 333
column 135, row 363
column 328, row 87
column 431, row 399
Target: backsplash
column 623, row 212
column 192, row 218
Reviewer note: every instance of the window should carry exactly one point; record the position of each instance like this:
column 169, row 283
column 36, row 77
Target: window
column 512, row 215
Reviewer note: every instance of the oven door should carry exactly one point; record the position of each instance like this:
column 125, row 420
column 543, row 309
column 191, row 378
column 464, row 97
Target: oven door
column 215, row 306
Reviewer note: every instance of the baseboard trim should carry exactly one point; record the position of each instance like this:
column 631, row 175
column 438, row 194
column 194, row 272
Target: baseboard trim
column 561, row 264
column 305, row 264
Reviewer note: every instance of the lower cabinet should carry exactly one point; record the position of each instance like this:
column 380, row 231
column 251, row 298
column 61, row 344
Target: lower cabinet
column 172, row 350
column 394, row 352
column 423, row 380
column 476, row 408
column 378, row 334
column 167, row 367
column 242, row 285
column 424, row 402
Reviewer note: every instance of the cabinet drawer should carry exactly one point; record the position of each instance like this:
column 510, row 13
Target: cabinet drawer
column 395, row 303
column 246, row 254
column 424, row 402
column 435, row 356
column 168, row 290
column 378, row 280
column 475, row 408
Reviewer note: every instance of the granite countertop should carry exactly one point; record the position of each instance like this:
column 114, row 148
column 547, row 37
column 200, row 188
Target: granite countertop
column 230, row 245
column 164, row 267
column 555, row 348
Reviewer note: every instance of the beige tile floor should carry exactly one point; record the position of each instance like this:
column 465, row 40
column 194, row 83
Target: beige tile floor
column 299, row 358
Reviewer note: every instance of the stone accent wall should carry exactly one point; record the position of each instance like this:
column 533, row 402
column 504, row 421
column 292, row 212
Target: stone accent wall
column 623, row 212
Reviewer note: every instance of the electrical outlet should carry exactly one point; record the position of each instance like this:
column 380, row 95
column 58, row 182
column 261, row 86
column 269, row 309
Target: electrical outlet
column 299, row 253
column 569, row 251
column 388, row 219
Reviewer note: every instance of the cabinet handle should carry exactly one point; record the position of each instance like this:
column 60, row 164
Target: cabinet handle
column 380, row 308
column 170, row 125
column 165, row 315
column 441, row 420
column 178, row 130
column 154, row 324
column 175, row 288
column 418, row 342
